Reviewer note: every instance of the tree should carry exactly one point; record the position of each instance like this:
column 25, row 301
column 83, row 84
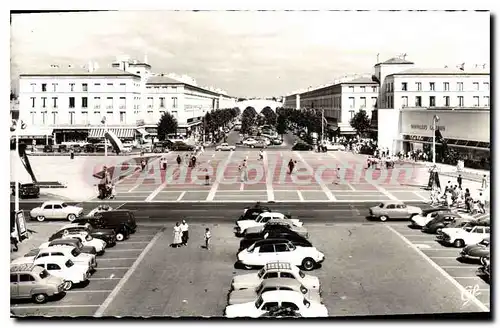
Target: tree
column 360, row 122
column 248, row 119
column 269, row 115
column 281, row 125
column 166, row 125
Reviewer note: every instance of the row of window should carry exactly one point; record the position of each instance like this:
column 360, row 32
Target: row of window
column 362, row 89
column 445, row 101
column 97, row 102
column 80, row 87
column 389, row 87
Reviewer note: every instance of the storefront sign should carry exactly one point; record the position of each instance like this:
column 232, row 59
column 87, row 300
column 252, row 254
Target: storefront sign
column 427, row 127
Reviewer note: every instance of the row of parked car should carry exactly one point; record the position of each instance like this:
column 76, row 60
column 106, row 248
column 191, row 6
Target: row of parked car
column 278, row 245
column 68, row 258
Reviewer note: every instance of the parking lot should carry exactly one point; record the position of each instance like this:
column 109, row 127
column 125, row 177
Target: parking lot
column 446, row 258
column 86, row 300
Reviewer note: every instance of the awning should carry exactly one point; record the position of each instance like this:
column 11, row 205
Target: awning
column 33, row 132
column 142, row 131
column 119, row 132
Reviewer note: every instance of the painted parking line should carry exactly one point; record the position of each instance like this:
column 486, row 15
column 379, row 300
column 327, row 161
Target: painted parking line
column 117, row 259
column 55, row 306
column 134, row 242
column 109, row 278
column 89, row 291
column 114, row 268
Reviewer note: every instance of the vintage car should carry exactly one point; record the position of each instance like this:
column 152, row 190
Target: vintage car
column 477, row 251
column 484, row 269
column 250, row 213
column 261, row 220
column 99, row 209
column 64, row 268
column 107, row 235
column 393, row 209
column 277, row 141
column 87, row 240
column 302, row 146
column 28, row 281
column 467, row 235
column 271, row 250
column 56, row 210
column 181, row 146
column 334, row 146
column 225, row 147
column 250, row 142
column 26, row 190
column 273, row 299
column 443, row 220
column 420, row 220
column 280, row 233
column 251, row 294
column 70, row 242
column 276, row 224
column 275, row 269
column 68, row 252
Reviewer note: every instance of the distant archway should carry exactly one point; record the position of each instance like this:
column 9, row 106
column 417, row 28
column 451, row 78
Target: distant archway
column 266, row 108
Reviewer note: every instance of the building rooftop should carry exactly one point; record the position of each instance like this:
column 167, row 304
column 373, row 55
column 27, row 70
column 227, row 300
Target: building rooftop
column 360, row 80
column 442, row 71
column 81, row 71
column 159, row 79
column 395, row 61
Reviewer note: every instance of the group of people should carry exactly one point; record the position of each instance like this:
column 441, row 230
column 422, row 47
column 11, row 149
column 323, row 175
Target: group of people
column 181, row 235
column 106, row 188
column 457, row 196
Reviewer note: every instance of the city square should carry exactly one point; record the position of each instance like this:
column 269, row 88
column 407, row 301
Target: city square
column 136, row 192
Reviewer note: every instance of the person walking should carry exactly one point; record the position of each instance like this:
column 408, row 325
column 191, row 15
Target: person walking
column 468, row 200
column 459, row 181
column 207, row 178
column 261, row 155
column 291, row 166
column 207, row 237
column 13, row 241
column 482, row 203
column 179, row 160
column 484, row 182
column 185, row 232
column 177, row 236
column 113, row 191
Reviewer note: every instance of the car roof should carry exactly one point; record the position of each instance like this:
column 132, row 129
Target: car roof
column 73, row 225
column 282, row 296
column 278, row 266
column 55, row 249
column 15, row 268
column 271, row 241
column 52, row 202
column 272, row 214
column 61, row 241
column 282, row 282
column 392, row 202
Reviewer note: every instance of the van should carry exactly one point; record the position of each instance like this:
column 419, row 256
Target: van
column 121, row 221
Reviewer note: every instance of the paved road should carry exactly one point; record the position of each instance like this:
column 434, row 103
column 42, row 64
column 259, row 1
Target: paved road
column 371, row 268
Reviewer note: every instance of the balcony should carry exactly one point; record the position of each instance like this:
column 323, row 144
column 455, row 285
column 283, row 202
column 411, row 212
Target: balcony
column 109, row 107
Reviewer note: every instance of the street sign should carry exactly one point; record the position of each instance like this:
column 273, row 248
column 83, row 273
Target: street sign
column 21, row 225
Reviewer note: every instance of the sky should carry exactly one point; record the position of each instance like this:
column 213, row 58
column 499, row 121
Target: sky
column 249, row 53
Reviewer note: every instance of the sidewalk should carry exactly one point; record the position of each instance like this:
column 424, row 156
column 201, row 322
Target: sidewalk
column 40, row 233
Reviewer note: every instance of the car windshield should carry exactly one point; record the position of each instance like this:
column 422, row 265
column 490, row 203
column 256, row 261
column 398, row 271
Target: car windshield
column 75, row 252
column 69, row 263
column 251, row 248
column 261, row 273
column 64, row 205
column 44, row 274
column 301, row 274
column 259, row 302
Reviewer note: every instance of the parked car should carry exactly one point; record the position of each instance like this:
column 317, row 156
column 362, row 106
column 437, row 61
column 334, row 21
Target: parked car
column 467, row 235
column 98, row 209
column 121, row 221
column 250, row 142
column 181, row 146
column 63, row 149
column 420, row 220
column 26, row 190
column 68, row 252
column 334, row 146
column 484, row 269
column 48, row 149
column 261, row 220
column 276, row 269
column 225, row 147
column 477, row 251
column 273, row 299
column 74, row 242
column 56, row 210
column 162, row 146
column 284, row 233
column 252, row 213
column 277, row 141
column 87, row 240
column 64, row 268
column 90, row 148
column 302, row 146
column 269, row 250
column 272, row 284
column 107, row 235
column 393, row 209
column 442, row 220
column 28, row 281
column 276, row 224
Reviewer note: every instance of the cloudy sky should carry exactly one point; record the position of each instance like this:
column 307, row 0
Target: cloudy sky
column 250, row 53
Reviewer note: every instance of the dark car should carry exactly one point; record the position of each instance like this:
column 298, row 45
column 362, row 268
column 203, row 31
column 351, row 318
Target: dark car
column 26, row 190
column 162, row 146
column 302, row 146
column 441, row 221
column 90, row 148
column 283, row 233
column 107, row 235
column 121, row 221
column 73, row 242
column 48, row 149
column 77, row 148
column 63, row 149
column 477, row 251
column 181, row 146
column 252, row 213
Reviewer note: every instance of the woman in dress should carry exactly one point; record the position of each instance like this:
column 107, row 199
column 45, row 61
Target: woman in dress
column 177, row 236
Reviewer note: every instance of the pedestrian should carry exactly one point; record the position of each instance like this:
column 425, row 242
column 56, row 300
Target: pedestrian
column 482, row 202
column 484, row 183
column 337, row 176
column 113, row 191
column 177, row 236
column 459, row 181
column 448, row 199
column 185, row 232
column 207, row 178
column 261, row 155
column 143, row 164
column 207, row 236
column 468, row 200
column 13, row 241
column 291, row 165
column 186, row 159
column 179, row 160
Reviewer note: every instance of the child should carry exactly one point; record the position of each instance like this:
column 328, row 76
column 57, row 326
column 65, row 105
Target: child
column 208, row 235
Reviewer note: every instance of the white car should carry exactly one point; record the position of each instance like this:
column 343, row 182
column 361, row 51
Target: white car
column 271, row 270
column 250, row 142
column 225, row 146
column 421, row 220
column 99, row 209
column 271, row 250
column 56, row 210
column 87, row 240
column 64, row 268
column 273, row 299
column 466, row 235
column 334, row 146
column 262, row 219
column 69, row 252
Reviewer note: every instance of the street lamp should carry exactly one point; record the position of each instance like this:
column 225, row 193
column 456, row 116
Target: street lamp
column 104, row 121
column 15, row 128
column 435, row 119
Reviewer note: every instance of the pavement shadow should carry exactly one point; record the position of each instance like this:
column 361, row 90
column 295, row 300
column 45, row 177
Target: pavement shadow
column 485, row 278
column 468, row 260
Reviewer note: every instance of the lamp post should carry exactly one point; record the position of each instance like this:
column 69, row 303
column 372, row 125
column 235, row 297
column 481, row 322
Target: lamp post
column 15, row 127
column 435, row 119
column 104, row 121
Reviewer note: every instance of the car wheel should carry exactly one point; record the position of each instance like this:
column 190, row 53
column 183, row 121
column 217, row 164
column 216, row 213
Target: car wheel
column 438, row 230
column 40, row 298
column 383, row 218
column 459, row 243
column 247, row 267
column 40, row 218
column 120, row 236
column 252, row 146
column 71, row 217
column 308, row 264
column 69, row 285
